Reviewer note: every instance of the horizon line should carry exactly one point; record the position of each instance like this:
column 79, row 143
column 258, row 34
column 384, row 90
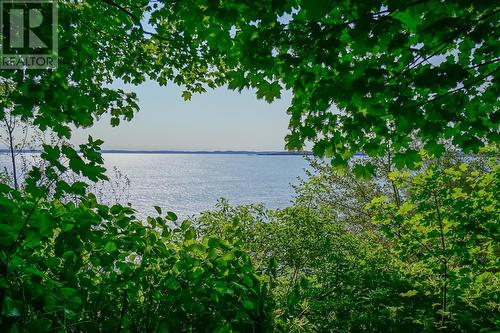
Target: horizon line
column 174, row 151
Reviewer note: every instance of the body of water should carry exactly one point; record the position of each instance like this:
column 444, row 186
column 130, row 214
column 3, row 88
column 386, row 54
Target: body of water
column 189, row 183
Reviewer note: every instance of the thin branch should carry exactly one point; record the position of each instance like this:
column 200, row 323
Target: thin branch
column 30, row 214
column 493, row 61
column 465, row 86
column 10, row 130
column 444, row 260
column 136, row 21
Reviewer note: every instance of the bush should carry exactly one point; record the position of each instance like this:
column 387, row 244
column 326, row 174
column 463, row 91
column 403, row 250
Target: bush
column 446, row 233
column 87, row 267
column 324, row 277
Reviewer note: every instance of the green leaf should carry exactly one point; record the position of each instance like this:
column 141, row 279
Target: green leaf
column 365, row 172
column 68, row 227
column 409, row 293
column 316, row 9
column 228, row 256
column 410, row 159
column 213, row 242
column 52, row 262
column 190, row 234
column 185, row 225
column 171, row 216
column 9, row 310
column 187, row 95
column 116, row 209
column 249, row 305
column 409, row 19
column 435, row 149
column 171, row 283
column 110, row 247
column 7, row 236
column 248, row 281
column 269, row 91
column 67, row 292
column 237, row 81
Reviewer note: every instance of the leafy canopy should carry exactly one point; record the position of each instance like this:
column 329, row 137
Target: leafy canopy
column 365, row 75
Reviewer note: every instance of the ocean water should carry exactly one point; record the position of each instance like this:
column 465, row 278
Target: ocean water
column 190, row 183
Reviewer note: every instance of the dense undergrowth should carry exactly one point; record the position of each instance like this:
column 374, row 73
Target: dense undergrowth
column 403, row 251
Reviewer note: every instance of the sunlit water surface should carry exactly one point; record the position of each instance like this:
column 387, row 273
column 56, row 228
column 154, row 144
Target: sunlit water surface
column 190, row 183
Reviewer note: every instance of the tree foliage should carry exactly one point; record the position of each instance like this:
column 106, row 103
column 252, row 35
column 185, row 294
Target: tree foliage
column 364, row 75
column 326, row 280
column 446, row 231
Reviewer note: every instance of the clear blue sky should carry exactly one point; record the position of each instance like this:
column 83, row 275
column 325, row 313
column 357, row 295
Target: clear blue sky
column 217, row 120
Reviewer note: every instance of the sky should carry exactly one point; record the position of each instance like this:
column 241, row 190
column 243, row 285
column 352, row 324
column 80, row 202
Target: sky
column 219, row 119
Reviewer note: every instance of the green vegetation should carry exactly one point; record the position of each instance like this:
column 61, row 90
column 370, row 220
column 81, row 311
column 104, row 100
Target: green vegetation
column 403, row 240
column 395, row 70
column 427, row 262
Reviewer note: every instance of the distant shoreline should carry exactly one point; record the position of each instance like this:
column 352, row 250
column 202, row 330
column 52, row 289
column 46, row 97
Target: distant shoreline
column 203, row 152
column 193, row 152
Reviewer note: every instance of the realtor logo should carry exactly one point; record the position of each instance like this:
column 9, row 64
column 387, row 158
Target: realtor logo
column 28, row 34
